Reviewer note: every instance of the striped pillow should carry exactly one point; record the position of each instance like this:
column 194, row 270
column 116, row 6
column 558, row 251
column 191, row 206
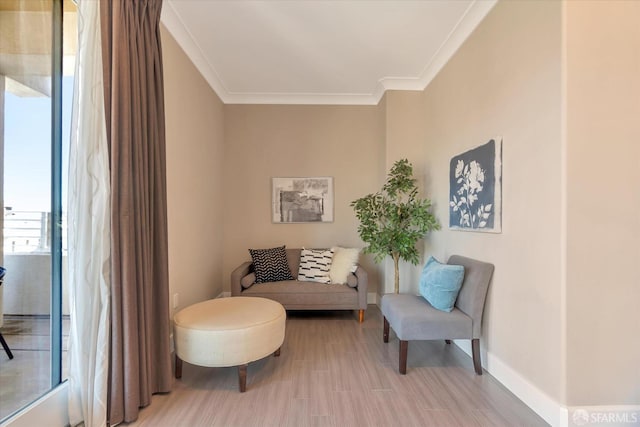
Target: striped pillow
column 315, row 265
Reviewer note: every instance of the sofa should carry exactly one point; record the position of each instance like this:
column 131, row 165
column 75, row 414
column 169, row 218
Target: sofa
column 303, row 295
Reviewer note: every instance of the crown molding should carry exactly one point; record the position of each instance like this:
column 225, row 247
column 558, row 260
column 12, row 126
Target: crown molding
column 174, row 24
column 474, row 14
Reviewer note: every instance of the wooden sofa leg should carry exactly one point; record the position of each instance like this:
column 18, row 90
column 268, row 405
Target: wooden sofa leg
column 475, row 352
column 178, row 367
column 385, row 330
column 447, row 341
column 402, row 365
column 361, row 316
column 242, row 377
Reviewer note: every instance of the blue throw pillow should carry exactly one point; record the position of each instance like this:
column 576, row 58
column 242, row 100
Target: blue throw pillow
column 441, row 283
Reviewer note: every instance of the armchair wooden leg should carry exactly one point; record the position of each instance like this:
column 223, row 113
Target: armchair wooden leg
column 361, row 316
column 178, row 367
column 242, row 377
column 385, row 330
column 475, row 352
column 402, row 365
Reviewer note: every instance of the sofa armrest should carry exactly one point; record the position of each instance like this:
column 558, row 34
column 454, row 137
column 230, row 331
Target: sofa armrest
column 362, row 276
column 237, row 275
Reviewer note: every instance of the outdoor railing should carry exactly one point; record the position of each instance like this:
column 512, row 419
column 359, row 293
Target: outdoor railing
column 29, row 231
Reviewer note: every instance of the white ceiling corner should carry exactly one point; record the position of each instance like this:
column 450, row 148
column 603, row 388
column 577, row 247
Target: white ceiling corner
column 320, row 52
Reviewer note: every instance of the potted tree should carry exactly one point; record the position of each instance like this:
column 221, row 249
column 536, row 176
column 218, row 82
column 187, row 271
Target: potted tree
column 394, row 219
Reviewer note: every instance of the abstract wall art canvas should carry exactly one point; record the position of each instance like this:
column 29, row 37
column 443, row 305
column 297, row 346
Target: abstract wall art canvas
column 300, row 200
column 475, row 189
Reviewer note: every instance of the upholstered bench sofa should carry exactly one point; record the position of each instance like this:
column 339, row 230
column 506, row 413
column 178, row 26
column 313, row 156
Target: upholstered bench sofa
column 302, row 294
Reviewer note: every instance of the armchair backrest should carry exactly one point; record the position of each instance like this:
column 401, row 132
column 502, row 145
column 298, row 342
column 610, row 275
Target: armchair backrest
column 472, row 296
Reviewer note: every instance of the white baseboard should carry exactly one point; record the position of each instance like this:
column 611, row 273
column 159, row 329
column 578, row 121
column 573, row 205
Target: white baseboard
column 543, row 405
column 551, row 411
column 372, row 298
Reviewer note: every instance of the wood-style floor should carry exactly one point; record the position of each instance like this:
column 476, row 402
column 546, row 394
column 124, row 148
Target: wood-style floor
column 334, row 371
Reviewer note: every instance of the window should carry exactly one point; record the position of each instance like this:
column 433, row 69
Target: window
column 37, row 46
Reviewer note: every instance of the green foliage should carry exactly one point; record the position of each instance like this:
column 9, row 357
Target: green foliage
column 394, row 219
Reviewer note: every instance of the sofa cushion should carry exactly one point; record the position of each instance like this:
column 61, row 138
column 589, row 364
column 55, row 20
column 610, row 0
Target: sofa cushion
column 343, row 264
column 440, row 284
column 315, row 265
column 296, row 295
column 413, row 318
column 270, row 265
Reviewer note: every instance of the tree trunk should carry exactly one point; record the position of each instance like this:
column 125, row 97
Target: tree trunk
column 396, row 259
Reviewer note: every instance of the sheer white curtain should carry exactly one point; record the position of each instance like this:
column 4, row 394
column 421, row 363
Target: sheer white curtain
column 89, row 229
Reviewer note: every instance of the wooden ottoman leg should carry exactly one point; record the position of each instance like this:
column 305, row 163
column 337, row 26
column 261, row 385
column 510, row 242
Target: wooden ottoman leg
column 277, row 352
column 178, row 367
column 242, row 377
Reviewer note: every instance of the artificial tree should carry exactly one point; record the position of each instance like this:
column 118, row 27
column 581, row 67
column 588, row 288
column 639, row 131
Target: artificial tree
column 394, row 219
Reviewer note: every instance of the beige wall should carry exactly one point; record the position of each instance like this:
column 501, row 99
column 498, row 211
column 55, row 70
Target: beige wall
column 603, row 203
column 194, row 126
column 265, row 141
column 406, row 137
column 509, row 87
column 548, row 323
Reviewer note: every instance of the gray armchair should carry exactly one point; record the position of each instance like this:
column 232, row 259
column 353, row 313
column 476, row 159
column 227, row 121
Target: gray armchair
column 413, row 318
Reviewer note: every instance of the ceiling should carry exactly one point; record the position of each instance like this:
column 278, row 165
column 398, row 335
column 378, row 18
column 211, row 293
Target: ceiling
column 319, row 51
column 25, row 45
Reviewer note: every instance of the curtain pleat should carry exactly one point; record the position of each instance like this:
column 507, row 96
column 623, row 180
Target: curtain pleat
column 89, row 235
column 140, row 362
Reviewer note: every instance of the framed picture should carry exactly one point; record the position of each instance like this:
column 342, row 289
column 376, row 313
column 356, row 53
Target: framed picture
column 475, row 189
column 300, row 200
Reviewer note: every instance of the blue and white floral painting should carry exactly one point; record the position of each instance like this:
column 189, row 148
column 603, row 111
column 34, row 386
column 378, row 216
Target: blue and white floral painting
column 475, row 189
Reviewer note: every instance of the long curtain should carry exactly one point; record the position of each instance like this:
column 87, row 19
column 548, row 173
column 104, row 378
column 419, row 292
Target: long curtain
column 88, row 230
column 140, row 363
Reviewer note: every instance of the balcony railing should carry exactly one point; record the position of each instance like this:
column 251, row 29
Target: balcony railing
column 29, row 231
column 27, row 259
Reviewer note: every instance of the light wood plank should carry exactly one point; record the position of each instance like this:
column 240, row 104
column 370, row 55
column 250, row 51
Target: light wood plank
column 334, row 371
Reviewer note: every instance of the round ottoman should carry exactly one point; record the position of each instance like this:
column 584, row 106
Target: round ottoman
column 228, row 332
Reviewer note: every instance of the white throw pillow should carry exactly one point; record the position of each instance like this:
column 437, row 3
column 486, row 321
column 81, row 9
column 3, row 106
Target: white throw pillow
column 314, row 265
column 344, row 262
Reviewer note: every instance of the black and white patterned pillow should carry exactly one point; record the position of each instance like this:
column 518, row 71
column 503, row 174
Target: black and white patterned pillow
column 270, row 265
column 315, row 265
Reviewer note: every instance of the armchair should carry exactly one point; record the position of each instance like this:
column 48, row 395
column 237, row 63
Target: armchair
column 413, row 318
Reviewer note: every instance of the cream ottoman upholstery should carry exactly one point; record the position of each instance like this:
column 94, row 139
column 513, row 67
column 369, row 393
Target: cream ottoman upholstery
column 228, row 332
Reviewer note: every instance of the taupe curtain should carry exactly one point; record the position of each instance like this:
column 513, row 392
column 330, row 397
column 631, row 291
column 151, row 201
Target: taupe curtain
column 140, row 363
